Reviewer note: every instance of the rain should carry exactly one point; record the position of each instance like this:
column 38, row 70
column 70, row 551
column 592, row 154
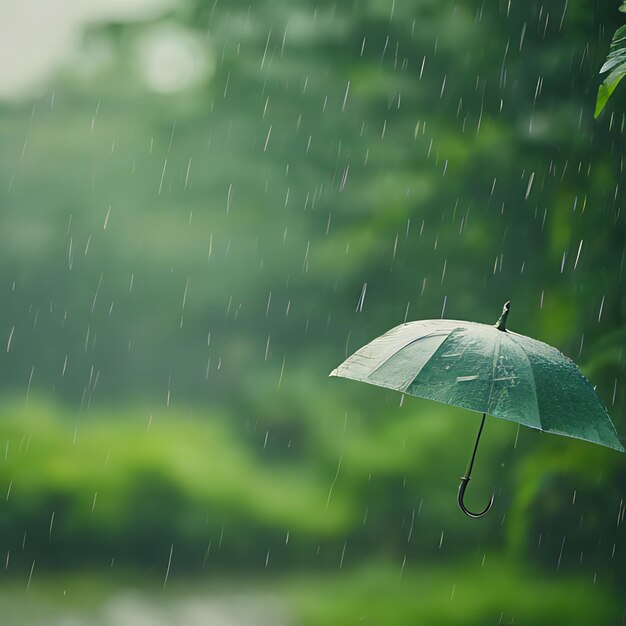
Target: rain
column 207, row 208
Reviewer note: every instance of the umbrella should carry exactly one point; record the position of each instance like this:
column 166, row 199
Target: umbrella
column 488, row 369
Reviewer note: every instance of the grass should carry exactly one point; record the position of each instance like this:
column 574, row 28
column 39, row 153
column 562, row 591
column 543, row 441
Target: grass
column 377, row 593
column 439, row 594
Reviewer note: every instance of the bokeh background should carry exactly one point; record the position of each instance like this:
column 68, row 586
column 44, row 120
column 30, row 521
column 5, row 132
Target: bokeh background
column 204, row 207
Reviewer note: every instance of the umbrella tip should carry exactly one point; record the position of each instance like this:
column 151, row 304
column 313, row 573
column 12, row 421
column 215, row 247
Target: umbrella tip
column 501, row 323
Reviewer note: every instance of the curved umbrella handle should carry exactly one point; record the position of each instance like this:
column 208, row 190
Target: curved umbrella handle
column 465, row 479
column 462, row 488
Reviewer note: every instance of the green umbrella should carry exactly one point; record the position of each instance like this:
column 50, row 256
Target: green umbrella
column 488, row 369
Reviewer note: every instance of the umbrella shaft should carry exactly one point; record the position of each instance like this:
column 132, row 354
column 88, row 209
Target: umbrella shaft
column 468, row 473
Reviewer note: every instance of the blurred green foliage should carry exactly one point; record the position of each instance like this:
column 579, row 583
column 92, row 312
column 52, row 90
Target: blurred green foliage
column 180, row 271
column 116, row 486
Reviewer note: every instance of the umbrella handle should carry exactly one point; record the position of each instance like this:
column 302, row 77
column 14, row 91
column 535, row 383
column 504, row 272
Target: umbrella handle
column 465, row 479
column 462, row 488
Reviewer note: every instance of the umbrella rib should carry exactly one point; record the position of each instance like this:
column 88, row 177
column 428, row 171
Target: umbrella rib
column 532, row 379
column 496, row 355
column 435, row 353
column 410, row 343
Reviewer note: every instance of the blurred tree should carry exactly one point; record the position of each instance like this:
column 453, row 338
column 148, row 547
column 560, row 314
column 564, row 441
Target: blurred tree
column 324, row 171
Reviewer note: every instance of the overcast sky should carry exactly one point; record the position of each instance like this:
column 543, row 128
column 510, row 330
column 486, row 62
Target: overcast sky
column 37, row 35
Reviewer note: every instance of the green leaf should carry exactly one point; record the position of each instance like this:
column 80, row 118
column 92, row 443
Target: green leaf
column 615, row 64
column 623, row 7
column 607, row 87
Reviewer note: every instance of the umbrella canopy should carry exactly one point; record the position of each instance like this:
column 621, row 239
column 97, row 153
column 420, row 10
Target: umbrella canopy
column 488, row 369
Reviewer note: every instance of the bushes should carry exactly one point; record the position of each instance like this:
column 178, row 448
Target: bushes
column 93, row 488
column 110, row 484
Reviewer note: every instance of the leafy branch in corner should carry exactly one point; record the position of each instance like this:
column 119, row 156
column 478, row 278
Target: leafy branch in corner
column 615, row 64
